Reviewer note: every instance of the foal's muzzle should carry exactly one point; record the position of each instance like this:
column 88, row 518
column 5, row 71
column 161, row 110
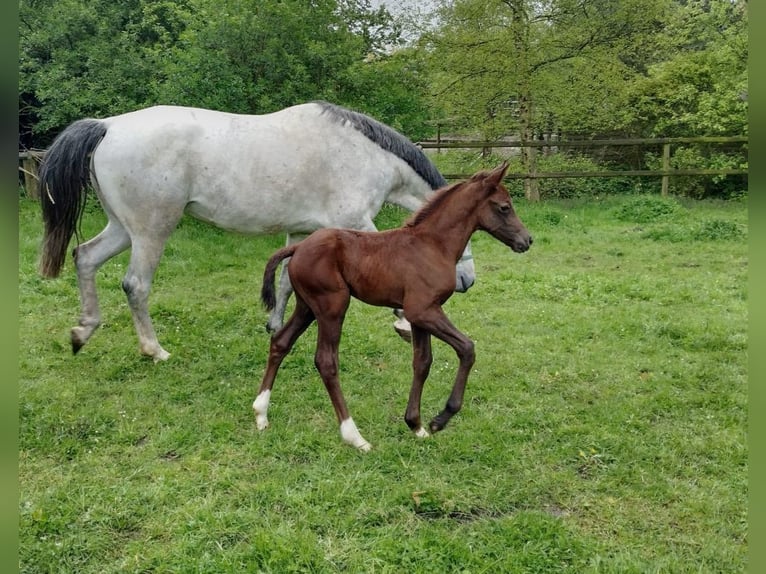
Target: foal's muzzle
column 522, row 245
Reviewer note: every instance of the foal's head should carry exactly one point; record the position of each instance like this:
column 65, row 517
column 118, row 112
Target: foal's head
column 496, row 214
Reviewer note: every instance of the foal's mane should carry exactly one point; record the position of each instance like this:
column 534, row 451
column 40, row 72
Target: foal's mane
column 433, row 204
column 388, row 139
column 438, row 198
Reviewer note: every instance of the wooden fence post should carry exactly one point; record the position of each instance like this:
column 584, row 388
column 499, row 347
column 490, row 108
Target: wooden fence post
column 29, row 165
column 665, row 167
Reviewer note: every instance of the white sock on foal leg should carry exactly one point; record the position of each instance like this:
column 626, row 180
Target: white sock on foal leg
column 350, row 434
column 260, row 406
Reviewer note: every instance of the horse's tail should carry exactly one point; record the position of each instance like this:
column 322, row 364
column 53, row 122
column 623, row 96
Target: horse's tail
column 268, row 293
column 64, row 176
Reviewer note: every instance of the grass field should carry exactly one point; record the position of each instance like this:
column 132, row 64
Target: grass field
column 604, row 426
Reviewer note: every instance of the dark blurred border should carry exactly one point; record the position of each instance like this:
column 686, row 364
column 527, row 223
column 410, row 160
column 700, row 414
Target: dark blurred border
column 9, row 290
column 757, row 316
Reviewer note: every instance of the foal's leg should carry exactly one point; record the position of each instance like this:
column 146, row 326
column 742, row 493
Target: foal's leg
column 281, row 343
column 421, row 366
column 436, row 322
column 88, row 257
column 326, row 361
column 284, row 290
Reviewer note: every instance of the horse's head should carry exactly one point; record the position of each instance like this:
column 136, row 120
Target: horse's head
column 496, row 214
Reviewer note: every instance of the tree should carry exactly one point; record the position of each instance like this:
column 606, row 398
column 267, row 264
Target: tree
column 91, row 58
column 503, row 64
column 701, row 87
column 96, row 58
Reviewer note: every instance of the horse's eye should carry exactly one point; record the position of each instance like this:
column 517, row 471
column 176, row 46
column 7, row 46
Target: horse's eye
column 504, row 208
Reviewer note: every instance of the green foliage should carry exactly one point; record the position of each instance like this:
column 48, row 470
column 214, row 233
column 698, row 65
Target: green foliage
column 619, row 68
column 467, row 162
column 707, row 230
column 94, row 59
column 648, row 209
column 706, row 157
column 257, row 56
column 701, row 88
column 604, row 427
column 391, row 88
column 562, row 60
column 568, row 188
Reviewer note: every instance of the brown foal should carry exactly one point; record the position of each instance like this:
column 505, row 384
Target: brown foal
column 410, row 268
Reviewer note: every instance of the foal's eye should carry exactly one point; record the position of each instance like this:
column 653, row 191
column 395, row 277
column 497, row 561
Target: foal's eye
column 504, row 208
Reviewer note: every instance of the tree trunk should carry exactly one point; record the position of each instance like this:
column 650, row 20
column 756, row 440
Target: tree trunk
column 520, row 31
column 528, row 154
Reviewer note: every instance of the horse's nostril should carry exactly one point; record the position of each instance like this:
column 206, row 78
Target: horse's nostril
column 531, row 240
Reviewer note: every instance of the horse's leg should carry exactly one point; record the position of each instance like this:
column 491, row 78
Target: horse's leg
column 421, row 366
column 280, row 346
column 88, row 257
column 284, row 290
column 144, row 257
column 326, row 361
column 434, row 321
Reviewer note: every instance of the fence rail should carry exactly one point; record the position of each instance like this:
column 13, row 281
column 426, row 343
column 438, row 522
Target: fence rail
column 30, row 159
column 666, row 172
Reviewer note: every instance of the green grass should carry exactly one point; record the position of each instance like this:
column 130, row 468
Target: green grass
column 604, row 426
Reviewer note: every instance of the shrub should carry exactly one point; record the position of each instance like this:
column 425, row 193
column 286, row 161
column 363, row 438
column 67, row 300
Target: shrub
column 648, row 209
column 719, row 230
column 702, row 186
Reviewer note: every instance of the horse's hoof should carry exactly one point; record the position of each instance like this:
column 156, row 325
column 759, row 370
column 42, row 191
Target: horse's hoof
column 271, row 328
column 79, row 336
column 157, row 355
column 402, row 328
column 364, row 447
column 420, row 432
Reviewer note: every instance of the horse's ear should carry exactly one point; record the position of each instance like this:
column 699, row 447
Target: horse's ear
column 495, row 177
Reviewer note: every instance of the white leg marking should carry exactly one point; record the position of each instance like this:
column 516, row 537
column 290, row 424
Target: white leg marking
column 260, row 406
column 350, row 434
column 420, row 432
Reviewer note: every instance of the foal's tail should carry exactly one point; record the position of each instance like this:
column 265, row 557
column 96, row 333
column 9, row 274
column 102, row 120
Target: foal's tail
column 268, row 295
column 64, row 176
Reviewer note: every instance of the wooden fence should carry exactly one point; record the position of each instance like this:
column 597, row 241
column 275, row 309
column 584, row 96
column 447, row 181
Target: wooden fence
column 29, row 160
column 666, row 172
column 28, row 163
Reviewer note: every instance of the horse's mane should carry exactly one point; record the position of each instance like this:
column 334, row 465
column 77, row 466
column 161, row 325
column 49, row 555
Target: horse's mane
column 388, row 139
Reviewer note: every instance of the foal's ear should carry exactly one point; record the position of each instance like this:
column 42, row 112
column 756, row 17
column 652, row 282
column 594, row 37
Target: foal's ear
column 495, row 177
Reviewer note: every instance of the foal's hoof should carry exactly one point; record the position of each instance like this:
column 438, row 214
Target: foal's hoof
column 420, row 432
column 437, row 425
